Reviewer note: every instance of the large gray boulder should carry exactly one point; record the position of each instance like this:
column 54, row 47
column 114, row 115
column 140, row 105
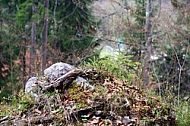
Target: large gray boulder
column 56, row 70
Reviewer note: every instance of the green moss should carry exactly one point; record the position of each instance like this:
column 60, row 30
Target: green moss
column 77, row 94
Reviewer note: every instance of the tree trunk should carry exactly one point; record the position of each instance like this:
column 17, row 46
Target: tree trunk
column 23, row 47
column 148, row 36
column 33, row 44
column 44, row 34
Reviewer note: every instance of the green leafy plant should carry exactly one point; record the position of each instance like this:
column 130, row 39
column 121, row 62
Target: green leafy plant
column 23, row 101
column 122, row 66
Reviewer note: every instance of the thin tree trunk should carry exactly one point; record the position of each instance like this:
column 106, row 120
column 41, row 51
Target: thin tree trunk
column 148, row 36
column 33, row 44
column 24, row 60
column 44, row 34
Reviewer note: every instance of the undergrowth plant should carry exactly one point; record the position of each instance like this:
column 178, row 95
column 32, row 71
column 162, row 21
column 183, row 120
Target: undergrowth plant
column 181, row 110
column 183, row 113
column 16, row 104
column 121, row 66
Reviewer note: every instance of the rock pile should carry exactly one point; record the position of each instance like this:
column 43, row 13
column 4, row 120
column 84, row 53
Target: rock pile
column 51, row 75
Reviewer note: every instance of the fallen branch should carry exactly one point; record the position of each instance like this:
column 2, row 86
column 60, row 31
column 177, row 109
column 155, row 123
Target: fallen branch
column 68, row 78
column 64, row 80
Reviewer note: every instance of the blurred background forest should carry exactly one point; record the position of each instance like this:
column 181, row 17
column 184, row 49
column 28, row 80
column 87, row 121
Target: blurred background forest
column 37, row 33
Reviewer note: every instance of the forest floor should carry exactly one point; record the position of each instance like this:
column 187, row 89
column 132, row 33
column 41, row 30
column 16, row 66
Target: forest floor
column 112, row 102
